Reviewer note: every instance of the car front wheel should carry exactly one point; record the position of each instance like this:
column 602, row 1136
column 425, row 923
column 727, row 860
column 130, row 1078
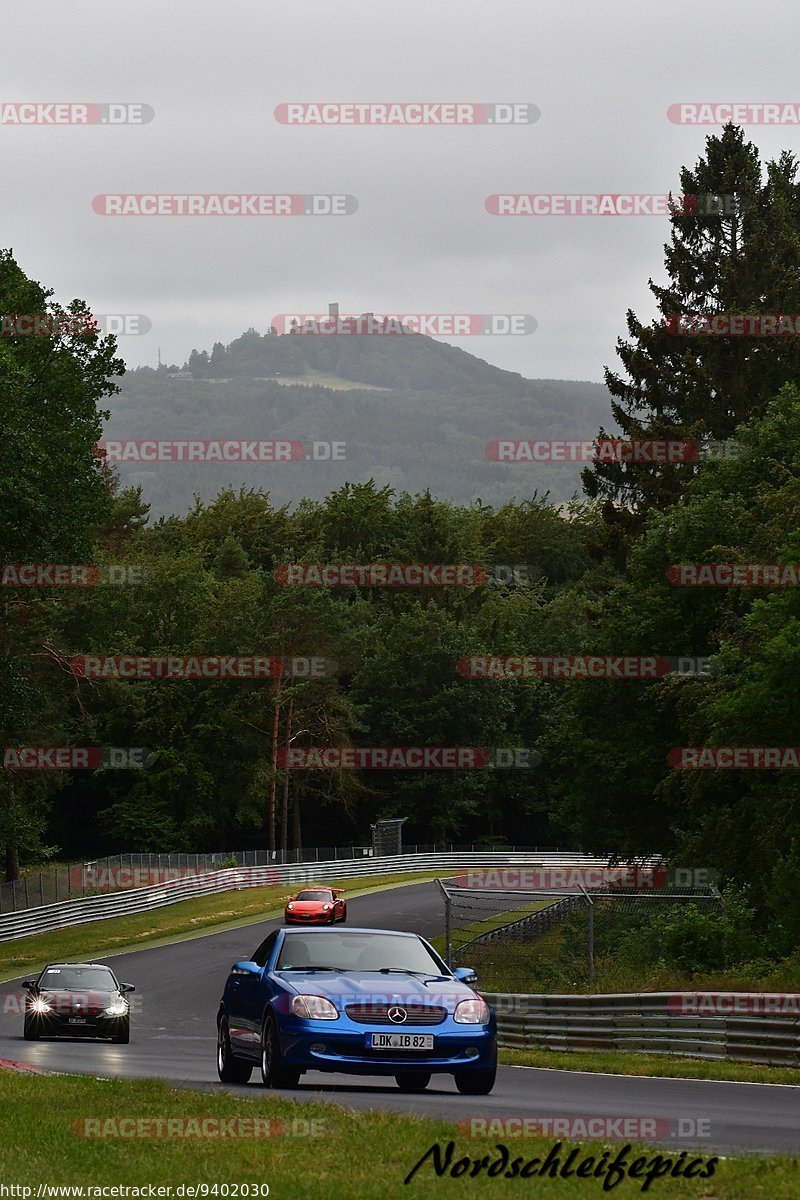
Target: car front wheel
column 273, row 1072
column 229, row 1069
column 29, row 1031
column 122, row 1034
column 476, row 1083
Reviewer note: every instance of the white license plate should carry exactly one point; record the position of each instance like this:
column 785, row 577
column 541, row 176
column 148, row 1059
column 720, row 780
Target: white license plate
column 401, row 1041
column 77, row 1020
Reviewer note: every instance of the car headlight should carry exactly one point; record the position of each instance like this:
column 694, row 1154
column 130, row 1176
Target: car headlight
column 116, row 1009
column 472, row 1012
column 40, row 1006
column 327, row 907
column 314, row 1008
column 290, row 905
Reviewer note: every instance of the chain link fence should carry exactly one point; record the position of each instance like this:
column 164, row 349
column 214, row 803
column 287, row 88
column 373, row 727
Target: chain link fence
column 605, row 940
column 120, row 871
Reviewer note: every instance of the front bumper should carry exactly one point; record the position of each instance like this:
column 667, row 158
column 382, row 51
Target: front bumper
column 344, row 1046
column 56, row 1025
column 308, row 918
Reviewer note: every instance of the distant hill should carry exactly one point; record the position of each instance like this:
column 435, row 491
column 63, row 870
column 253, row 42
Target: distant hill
column 414, row 413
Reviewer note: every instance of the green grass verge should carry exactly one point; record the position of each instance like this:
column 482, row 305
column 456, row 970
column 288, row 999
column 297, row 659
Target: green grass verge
column 355, row 1154
column 467, row 933
column 226, row 910
column 618, row 1063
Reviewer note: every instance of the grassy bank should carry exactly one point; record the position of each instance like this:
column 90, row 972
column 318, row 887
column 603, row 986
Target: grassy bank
column 42, row 1140
column 616, row 1063
column 225, row 910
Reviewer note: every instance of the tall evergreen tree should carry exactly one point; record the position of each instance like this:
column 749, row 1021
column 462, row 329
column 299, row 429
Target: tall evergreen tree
column 743, row 258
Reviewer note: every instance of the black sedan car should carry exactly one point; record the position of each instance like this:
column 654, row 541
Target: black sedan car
column 77, row 999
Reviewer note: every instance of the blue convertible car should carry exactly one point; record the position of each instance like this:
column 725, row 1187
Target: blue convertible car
column 359, row 1001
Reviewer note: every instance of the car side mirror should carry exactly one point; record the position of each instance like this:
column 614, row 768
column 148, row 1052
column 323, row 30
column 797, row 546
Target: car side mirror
column 127, row 987
column 245, row 968
column 466, row 975
column 27, row 984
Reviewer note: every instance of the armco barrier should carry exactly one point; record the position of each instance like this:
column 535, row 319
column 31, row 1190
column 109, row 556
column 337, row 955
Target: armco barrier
column 135, row 900
column 741, row 1026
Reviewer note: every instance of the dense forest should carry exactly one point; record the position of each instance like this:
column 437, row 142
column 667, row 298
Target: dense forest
column 421, row 419
column 597, row 580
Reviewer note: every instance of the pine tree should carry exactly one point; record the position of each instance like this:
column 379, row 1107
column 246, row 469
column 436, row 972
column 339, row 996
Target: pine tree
column 743, row 258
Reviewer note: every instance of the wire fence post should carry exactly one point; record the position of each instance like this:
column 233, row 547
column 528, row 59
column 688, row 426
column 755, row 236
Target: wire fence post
column 448, row 944
column 589, row 933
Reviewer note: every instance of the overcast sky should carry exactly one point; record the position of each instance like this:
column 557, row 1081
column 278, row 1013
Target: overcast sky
column 602, row 72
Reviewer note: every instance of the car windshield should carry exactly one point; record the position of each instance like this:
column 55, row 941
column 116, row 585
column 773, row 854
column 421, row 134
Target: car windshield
column 319, row 894
column 351, row 951
column 79, row 979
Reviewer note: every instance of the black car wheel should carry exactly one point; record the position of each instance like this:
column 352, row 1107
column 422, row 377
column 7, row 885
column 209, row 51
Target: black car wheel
column 273, row 1072
column 229, row 1069
column 476, row 1083
column 413, row 1081
column 122, row 1034
column 29, row 1031
column 343, row 917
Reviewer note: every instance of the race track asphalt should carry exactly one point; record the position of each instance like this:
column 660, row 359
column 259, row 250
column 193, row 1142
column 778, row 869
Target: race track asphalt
column 178, row 988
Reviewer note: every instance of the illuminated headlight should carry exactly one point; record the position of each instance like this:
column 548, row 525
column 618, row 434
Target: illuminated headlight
column 327, row 907
column 314, row 1008
column 117, row 1009
column 290, row 905
column 471, row 1012
column 40, row 1006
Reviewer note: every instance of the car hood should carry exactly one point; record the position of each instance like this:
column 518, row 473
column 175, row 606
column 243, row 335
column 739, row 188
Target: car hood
column 371, row 987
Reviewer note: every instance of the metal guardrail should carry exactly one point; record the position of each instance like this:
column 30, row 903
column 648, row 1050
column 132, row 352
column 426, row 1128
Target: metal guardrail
column 48, row 917
column 69, row 881
column 754, row 1027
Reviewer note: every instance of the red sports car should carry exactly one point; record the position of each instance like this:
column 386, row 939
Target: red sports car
column 316, row 906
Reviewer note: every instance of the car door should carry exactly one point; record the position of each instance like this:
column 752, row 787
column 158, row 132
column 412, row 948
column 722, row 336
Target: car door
column 250, row 997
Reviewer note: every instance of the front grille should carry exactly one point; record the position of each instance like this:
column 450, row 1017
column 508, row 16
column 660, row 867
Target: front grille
column 378, row 1014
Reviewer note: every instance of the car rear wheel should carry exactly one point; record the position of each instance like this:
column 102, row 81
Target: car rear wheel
column 29, row 1031
column 413, row 1081
column 273, row 1072
column 122, row 1034
column 229, row 1069
column 476, row 1083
